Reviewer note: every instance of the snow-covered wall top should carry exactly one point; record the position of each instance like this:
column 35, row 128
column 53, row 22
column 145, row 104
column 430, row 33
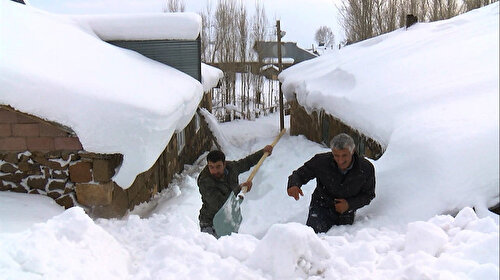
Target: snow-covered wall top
column 429, row 94
column 150, row 26
column 116, row 100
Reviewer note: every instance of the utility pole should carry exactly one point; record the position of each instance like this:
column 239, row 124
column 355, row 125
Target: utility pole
column 280, row 67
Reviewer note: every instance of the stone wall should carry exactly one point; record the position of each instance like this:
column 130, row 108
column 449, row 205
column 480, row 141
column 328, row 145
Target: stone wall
column 40, row 157
column 320, row 127
column 36, row 155
column 157, row 178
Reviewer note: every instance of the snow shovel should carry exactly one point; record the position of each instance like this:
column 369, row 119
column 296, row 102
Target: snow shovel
column 228, row 218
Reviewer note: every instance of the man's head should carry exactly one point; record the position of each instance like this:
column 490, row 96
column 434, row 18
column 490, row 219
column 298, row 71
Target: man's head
column 216, row 162
column 342, row 149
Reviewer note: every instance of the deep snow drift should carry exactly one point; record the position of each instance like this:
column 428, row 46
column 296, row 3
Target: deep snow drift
column 161, row 239
column 429, row 94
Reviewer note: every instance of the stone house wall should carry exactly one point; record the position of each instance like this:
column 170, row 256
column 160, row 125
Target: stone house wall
column 35, row 156
column 320, row 127
column 41, row 157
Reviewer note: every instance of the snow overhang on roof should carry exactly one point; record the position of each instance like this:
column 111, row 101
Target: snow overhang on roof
column 148, row 26
column 210, row 76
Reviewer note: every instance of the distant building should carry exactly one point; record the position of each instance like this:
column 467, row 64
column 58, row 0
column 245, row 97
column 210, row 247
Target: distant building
column 290, row 52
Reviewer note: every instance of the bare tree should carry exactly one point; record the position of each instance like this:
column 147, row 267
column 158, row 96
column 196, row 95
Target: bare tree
column 474, row 4
column 357, row 19
column 175, row 6
column 324, row 36
column 443, row 9
column 243, row 37
column 259, row 33
column 207, row 35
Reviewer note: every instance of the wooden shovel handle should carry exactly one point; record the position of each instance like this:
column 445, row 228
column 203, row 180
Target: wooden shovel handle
column 257, row 166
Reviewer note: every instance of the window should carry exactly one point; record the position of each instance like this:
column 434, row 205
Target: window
column 181, row 141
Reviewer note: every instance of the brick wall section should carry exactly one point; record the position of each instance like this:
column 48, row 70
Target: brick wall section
column 20, row 132
column 39, row 157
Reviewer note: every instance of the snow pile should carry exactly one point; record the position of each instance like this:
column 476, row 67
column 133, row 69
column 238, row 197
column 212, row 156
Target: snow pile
column 429, row 94
column 25, row 216
column 116, row 100
column 169, row 245
column 69, row 246
column 150, row 26
column 290, row 250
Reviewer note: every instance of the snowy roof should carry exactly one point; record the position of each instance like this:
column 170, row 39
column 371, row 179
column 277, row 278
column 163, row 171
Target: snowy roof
column 150, row 26
column 427, row 93
column 267, row 66
column 51, row 68
column 210, row 76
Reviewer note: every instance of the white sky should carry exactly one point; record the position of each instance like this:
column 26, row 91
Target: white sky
column 429, row 94
column 300, row 19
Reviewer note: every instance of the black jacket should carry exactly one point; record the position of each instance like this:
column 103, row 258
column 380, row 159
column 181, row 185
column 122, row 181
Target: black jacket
column 357, row 186
column 214, row 192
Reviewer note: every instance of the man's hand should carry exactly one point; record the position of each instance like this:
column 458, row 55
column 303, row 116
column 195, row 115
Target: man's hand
column 268, row 149
column 341, row 205
column 247, row 184
column 294, row 192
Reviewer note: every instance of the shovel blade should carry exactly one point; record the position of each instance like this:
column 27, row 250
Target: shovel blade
column 228, row 218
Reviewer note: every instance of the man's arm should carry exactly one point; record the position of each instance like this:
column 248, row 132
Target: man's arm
column 246, row 163
column 366, row 194
column 300, row 177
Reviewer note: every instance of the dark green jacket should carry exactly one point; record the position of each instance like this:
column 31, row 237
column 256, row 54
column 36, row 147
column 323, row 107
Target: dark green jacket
column 214, row 192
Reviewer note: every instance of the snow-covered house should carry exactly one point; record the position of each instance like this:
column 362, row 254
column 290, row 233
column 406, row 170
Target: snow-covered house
column 86, row 122
column 427, row 92
column 322, row 91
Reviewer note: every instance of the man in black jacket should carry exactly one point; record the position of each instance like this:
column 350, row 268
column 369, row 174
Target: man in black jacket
column 345, row 182
column 218, row 179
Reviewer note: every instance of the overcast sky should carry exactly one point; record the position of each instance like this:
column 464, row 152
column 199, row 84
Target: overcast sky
column 299, row 19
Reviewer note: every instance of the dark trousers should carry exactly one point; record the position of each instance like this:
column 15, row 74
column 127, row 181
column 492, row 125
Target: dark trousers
column 321, row 219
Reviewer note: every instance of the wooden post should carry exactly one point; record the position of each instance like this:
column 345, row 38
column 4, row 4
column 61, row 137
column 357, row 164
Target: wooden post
column 280, row 67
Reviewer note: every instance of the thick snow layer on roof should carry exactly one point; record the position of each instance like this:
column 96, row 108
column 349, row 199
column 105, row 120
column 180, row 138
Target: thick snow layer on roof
column 116, row 100
column 210, row 76
column 429, row 94
column 148, row 26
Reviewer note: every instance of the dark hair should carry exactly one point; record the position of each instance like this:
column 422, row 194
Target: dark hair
column 215, row 156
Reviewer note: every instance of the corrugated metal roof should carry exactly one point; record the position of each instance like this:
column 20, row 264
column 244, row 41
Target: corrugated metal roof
column 182, row 55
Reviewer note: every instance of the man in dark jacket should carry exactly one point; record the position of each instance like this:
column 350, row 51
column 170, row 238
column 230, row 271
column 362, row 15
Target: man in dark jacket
column 218, row 179
column 345, row 182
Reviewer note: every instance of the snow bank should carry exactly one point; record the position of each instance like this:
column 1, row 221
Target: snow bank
column 429, row 94
column 24, row 215
column 116, row 100
column 166, row 243
column 69, row 246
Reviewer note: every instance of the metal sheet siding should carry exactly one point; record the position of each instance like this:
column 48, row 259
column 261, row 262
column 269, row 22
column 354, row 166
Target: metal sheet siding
column 182, row 55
